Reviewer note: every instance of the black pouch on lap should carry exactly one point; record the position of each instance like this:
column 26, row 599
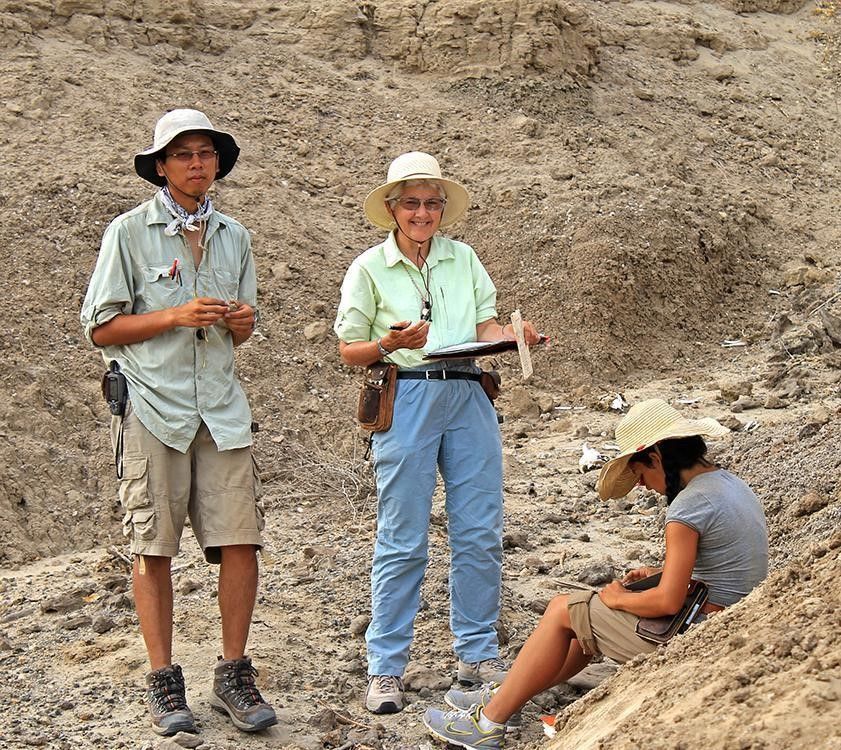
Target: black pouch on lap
column 662, row 629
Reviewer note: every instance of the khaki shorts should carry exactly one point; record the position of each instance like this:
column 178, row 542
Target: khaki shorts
column 161, row 487
column 611, row 631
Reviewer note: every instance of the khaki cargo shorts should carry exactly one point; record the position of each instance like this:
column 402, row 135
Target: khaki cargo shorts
column 218, row 490
column 602, row 630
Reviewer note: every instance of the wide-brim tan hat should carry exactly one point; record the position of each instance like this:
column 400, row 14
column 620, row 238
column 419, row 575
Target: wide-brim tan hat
column 645, row 424
column 415, row 165
column 175, row 123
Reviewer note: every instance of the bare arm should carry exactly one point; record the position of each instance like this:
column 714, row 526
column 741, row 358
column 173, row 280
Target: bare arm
column 240, row 322
column 131, row 329
column 668, row 597
column 364, row 353
column 491, row 330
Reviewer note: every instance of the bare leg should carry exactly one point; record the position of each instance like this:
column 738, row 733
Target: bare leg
column 550, row 653
column 237, row 593
column 153, row 603
column 576, row 661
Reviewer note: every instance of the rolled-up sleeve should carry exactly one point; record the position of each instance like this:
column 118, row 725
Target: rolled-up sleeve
column 357, row 306
column 247, row 274
column 110, row 291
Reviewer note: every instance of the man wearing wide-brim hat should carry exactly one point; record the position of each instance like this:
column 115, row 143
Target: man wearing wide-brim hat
column 173, row 292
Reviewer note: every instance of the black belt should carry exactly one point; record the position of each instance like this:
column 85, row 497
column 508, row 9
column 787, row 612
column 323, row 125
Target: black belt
column 437, row 375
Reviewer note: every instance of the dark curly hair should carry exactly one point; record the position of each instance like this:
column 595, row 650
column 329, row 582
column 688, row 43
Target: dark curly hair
column 676, row 454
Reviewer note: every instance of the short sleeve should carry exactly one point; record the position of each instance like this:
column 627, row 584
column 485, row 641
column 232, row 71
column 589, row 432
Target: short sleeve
column 357, row 306
column 484, row 291
column 695, row 511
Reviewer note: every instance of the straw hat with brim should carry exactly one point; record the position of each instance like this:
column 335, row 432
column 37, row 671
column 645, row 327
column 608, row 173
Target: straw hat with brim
column 415, row 165
column 178, row 122
column 645, row 424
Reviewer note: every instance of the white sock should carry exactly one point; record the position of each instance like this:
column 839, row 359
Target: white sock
column 485, row 724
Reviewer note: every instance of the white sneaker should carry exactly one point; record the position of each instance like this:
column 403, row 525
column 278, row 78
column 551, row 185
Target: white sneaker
column 480, row 672
column 384, row 694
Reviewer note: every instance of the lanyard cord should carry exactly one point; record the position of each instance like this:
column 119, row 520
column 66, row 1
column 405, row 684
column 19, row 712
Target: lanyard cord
column 428, row 297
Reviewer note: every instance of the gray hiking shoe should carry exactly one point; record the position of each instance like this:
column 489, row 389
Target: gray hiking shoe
column 467, row 699
column 235, row 693
column 480, row 672
column 384, row 694
column 167, row 702
column 462, row 728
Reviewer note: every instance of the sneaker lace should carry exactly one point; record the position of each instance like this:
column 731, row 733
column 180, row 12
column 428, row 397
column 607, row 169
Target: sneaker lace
column 387, row 683
column 496, row 664
column 487, row 691
column 463, row 713
column 240, row 686
column 166, row 690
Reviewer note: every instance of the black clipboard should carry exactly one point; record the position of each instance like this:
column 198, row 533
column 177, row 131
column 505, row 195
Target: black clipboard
column 473, row 349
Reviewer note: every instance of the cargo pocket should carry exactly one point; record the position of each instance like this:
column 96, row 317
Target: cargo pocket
column 258, row 493
column 139, row 520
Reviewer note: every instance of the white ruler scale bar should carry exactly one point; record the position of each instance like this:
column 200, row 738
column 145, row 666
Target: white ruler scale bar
column 522, row 347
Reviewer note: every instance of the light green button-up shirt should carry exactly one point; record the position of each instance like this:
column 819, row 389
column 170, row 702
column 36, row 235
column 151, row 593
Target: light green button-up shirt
column 181, row 377
column 382, row 286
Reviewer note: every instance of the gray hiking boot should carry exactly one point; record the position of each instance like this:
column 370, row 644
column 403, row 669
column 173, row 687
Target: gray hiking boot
column 462, row 728
column 480, row 672
column 467, row 699
column 384, row 694
column 235, row 693
column 167, row 702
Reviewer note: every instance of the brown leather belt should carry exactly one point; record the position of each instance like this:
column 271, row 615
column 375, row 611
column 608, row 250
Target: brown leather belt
column 709, row 608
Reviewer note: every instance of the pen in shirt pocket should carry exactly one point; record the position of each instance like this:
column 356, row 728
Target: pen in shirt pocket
column 175, row 272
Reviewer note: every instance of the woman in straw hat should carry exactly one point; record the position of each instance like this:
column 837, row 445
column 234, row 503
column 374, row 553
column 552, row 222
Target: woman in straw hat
column 415, row 292
column 715, row 532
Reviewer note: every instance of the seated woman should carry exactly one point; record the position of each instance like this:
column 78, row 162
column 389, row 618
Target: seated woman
column 715, row 532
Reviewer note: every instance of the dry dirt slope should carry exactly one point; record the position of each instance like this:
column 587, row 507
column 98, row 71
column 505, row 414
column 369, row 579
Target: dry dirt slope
column 639, row 172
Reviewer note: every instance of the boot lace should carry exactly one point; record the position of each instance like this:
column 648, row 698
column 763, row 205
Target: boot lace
column 387, row 683
column 496, row 664
column 239, row 685
column 166, row 690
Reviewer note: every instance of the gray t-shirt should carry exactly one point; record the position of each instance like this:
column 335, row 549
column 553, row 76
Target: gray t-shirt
column 733, row 545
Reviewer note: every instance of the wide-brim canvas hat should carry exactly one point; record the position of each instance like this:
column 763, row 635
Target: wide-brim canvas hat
column 415, row 165
column 645, row 424
column 175, row 123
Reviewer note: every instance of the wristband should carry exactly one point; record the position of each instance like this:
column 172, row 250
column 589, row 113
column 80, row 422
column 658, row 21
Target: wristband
column 383, row 351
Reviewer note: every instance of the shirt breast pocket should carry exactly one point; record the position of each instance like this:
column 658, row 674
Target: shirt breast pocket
column 223, row 284
column 450, row 312
column 161, row 290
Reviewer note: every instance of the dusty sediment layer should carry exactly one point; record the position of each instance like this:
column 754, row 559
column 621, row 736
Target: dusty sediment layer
column 652, row 183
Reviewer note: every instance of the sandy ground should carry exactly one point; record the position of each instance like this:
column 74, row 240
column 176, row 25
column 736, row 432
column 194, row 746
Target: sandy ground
column 648, row 182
